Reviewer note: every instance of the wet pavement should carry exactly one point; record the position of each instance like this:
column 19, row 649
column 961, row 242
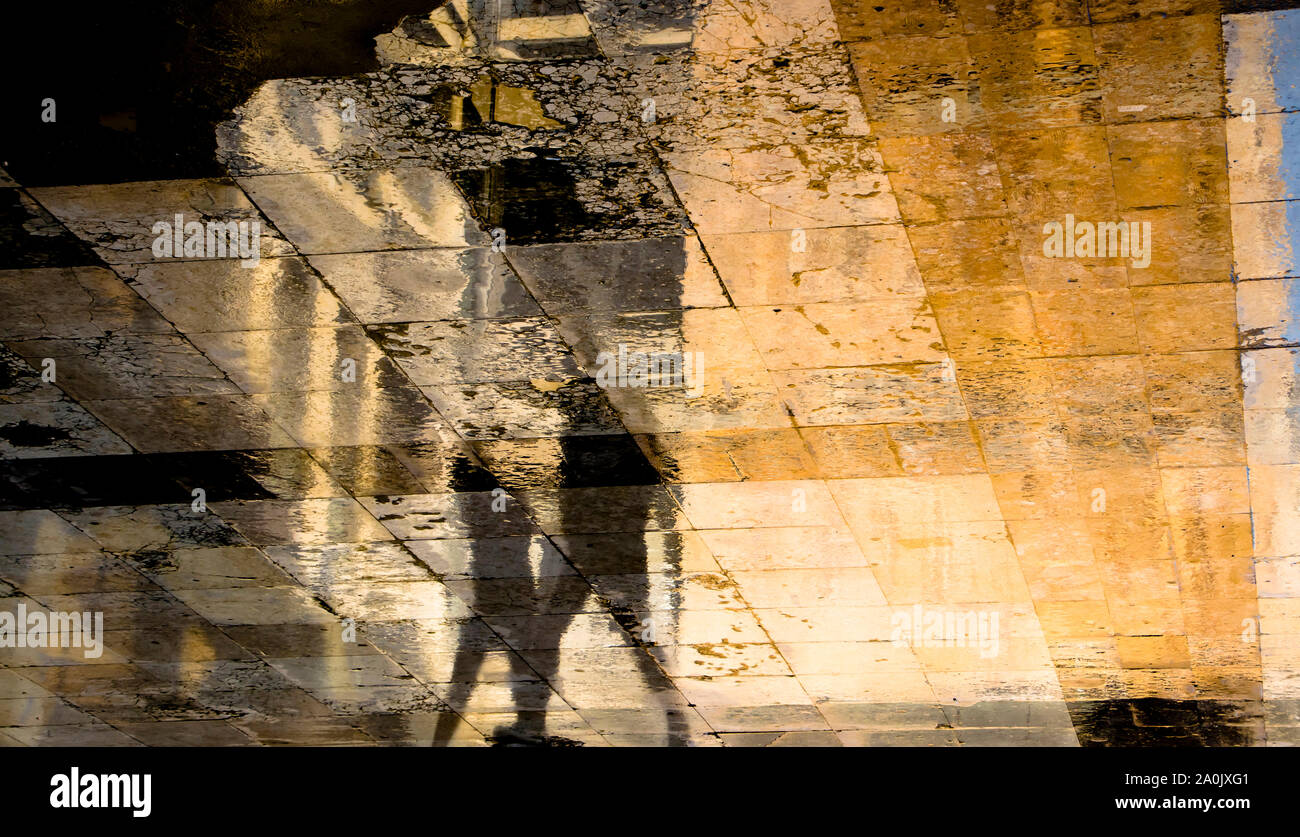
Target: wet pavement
column 688, row 373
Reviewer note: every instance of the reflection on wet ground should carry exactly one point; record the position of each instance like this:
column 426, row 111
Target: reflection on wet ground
column 681, row 373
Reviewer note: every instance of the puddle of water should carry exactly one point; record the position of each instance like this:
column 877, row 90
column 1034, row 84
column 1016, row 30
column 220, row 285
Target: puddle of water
column 533, row 200
column 138, row 94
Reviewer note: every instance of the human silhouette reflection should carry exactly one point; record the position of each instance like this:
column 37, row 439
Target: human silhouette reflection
column 535, row 201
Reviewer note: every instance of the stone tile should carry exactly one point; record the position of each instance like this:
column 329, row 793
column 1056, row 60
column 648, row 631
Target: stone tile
column 421, row 285
column 118, row 220
column 343, row 212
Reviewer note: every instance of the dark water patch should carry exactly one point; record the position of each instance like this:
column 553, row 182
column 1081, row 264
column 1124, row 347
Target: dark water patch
column 1160, row 722
column 240, row 475
column 533, row 200
column 1236, row 7
column 139, row 87
column 578, row 462
column 30, row 237
column 25, row 434
column 81, row 481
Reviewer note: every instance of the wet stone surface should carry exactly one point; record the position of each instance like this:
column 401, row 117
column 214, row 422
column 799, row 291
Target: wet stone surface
column 673, row 373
